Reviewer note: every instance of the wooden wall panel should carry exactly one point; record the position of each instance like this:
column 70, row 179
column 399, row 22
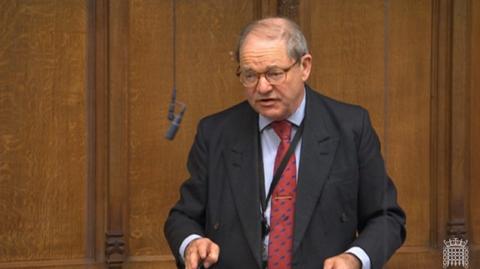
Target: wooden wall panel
column 407, row 114
column 206, row 33
column 150, row 83
column 43, row 140
column 348, row 50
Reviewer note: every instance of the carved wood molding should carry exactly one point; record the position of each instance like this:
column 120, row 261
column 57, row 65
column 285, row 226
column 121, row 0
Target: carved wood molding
column 115, row 249
column 112, row 124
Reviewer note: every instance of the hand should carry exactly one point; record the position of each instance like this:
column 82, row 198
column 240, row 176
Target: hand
column 343, row 261
column 201, row 250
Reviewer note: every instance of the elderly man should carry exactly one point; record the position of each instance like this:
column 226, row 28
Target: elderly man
column 287, row 179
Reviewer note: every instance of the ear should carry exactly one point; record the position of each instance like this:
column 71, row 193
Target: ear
column 306, row 66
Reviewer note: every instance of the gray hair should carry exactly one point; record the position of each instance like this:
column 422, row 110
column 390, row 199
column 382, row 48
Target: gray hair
column 276, row 28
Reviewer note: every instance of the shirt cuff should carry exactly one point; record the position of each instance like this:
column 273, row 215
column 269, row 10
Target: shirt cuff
column 185, row 243
column 361, row 255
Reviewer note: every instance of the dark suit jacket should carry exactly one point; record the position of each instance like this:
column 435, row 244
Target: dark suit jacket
column 344, row 195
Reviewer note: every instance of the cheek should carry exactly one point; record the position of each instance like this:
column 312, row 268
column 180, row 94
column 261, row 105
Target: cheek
column 286, row 94
column 249, row 93
column 250, row 96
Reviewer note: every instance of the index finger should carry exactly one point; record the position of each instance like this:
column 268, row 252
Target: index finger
column 213, row 253
column 192, row 259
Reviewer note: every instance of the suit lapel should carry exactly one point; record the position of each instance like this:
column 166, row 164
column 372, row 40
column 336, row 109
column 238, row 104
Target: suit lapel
column 241, row 157
column 319, row 143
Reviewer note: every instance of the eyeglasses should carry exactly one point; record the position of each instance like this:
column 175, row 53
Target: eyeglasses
column 274, row 76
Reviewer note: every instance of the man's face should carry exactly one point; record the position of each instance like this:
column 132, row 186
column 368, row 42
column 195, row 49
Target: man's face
column 276, row 102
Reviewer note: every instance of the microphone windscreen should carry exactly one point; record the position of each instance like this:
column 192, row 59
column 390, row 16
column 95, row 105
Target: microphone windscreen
column 172, row 130
column 174, row 125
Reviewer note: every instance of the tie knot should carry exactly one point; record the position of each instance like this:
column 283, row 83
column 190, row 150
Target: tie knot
column 283, row 129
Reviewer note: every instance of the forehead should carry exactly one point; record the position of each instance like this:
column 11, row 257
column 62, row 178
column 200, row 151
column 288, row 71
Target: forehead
column 258, row 51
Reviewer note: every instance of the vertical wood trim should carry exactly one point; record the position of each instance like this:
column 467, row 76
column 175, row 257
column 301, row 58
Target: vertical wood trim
column 468, row 57
column 437, row 138
column 101, row 121
column 450, row 108
column 90, row 101
column 117, row 132
column 441, row 116
column 460, row 129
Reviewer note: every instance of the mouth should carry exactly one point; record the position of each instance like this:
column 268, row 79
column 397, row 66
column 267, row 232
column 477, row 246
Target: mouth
column 266, row 102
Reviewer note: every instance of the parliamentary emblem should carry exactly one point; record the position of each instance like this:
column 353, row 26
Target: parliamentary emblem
column 455, row 252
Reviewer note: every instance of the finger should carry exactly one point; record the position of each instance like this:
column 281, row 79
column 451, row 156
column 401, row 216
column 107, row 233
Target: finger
column 192, row 260
column 329, row 264
column 213, row 253
column 202, row 250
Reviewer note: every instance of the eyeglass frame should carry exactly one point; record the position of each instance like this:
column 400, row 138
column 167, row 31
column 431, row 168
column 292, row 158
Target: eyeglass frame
column 285, row 71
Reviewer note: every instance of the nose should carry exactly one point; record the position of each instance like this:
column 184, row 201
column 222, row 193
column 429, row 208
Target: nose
column 263, row 86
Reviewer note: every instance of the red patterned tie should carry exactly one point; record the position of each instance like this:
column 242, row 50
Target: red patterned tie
column 282, row 204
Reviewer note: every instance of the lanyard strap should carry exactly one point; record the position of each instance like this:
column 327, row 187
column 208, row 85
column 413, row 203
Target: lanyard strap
column 264, row 200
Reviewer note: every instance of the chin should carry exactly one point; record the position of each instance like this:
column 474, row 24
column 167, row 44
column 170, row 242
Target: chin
column 273, row 115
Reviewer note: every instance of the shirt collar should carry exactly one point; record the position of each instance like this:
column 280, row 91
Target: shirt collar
column 296, row 118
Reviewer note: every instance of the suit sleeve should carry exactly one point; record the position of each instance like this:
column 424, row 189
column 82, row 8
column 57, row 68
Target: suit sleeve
column 381, row 220
column 188, row 215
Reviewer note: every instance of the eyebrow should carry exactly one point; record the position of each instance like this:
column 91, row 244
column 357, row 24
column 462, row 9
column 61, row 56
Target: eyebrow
column 268, row 68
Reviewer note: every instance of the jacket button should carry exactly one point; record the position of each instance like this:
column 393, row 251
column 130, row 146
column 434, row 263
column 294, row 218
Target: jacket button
column 216, row 226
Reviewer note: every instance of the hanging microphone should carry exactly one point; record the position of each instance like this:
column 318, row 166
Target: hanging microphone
column 174, row 119
column 174, row 125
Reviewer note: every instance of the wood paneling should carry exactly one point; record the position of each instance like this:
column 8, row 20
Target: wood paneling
column 205, row 36
column 43, row 134
column 150, row 83
column 348, row 52
column 407, row 112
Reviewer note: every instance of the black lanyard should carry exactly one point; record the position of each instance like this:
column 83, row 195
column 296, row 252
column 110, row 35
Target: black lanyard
column 278, row 173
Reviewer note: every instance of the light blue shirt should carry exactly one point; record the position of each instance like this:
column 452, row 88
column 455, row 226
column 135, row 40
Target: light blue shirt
column 270, row 142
